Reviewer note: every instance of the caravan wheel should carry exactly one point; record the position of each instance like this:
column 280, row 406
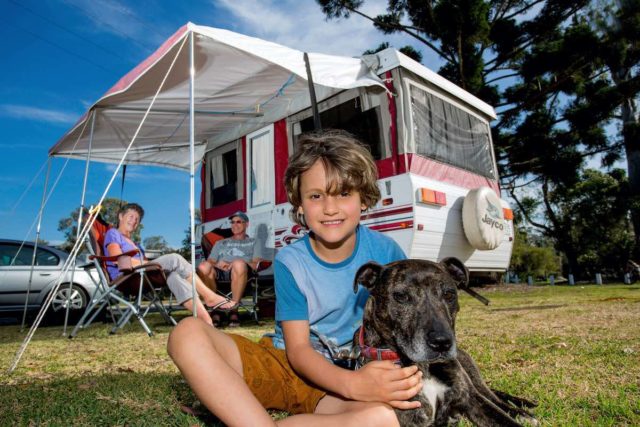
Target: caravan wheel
column 483, row 218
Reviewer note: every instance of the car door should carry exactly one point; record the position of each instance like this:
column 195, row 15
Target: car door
column 15, row 269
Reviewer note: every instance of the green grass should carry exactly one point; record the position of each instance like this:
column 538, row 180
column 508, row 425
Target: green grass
column 575, row 350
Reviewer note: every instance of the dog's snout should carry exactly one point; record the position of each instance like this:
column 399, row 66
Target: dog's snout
column 439, row 341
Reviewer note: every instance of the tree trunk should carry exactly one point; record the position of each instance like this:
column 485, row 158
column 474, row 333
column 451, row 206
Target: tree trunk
column 631, row 138
column 631, row 135
column 572, row 257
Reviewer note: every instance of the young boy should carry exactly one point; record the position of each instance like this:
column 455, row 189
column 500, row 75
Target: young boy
column 330, row 180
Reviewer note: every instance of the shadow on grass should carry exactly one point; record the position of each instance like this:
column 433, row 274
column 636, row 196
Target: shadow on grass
column 530, row 307
column 99, row 328
column 124, row 398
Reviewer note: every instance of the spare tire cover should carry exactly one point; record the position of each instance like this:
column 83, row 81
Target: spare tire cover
column 483, row 218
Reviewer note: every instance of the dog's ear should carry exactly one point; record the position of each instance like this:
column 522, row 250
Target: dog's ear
column 367, row 275
column 457, row 270
column 460, row 274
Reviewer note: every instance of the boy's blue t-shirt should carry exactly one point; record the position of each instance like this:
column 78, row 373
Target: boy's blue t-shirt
column 308, row 288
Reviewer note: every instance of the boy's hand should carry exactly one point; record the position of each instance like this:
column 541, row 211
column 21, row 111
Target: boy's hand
column 384, row 381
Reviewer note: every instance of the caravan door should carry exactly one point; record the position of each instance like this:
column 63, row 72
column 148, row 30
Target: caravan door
column 260, row 198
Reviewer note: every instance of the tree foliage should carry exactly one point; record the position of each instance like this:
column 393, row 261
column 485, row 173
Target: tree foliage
column 185, row 250
column 571, row 93
column 480, row 41
column 588, row 222
column 407, row 50
column 531, row 258
column 156, row 243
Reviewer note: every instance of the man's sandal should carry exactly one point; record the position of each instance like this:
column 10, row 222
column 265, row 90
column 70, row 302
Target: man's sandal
column 219, row 306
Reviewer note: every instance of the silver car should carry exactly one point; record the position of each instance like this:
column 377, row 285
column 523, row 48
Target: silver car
column 15, row 268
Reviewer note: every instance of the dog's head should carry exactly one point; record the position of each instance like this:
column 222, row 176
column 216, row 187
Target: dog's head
column 413, row 306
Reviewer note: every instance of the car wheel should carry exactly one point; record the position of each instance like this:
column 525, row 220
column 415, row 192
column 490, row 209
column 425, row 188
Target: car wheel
column 76, row 295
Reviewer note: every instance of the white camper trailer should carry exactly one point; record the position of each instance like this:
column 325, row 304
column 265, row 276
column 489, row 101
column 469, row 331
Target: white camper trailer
column 437, row 172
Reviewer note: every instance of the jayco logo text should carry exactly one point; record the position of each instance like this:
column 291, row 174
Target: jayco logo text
column 492, row 222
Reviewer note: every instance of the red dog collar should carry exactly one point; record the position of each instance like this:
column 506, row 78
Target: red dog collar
column 373, row 353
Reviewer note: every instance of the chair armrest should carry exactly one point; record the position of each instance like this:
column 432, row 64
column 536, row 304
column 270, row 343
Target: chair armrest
column 262, row 265
column 114, row 258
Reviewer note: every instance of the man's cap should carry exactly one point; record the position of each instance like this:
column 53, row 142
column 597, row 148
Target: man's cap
column 243, row 216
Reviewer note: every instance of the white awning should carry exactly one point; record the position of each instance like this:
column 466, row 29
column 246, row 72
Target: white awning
column 241, row 84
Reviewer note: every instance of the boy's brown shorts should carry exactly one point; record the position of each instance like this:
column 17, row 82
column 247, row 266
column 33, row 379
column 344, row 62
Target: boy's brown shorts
column 271, row 379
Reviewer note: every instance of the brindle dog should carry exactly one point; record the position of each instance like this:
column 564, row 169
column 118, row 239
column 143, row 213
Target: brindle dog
column 412, row 312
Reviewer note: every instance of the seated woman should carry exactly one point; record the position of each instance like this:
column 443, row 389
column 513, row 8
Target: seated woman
column 176, row 268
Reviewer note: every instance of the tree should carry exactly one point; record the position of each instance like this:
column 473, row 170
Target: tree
column 533, row 258
column 407, row 50
column 575, row 83
column 587, row 222
column 479, row 41
column 185, row 250
column 557, row 78
column 618, row 24
column 156, row 243
column 110, row 208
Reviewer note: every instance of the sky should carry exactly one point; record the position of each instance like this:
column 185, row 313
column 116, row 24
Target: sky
column 60, row 56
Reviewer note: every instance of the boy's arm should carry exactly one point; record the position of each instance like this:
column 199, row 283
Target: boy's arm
column 378, row 381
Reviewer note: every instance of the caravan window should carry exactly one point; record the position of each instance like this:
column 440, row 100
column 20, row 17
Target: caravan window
column 447, row 133
column 349, row 116
column 222, row 174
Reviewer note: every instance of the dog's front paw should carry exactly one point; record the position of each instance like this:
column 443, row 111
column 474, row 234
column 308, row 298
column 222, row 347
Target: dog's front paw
column 414, row 417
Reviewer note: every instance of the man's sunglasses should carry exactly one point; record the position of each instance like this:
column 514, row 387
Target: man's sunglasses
column 237, row 222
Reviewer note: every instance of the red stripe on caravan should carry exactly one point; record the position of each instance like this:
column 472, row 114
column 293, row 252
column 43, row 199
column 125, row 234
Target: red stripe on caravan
column 388, row 167
column 438, row 171
column 390, row 212
column 203, row 185
column 402, row 225
column 281, row 158
column 223, row 211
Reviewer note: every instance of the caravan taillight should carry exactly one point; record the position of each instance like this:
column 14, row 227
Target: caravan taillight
column 433, row 197
column 508, row 214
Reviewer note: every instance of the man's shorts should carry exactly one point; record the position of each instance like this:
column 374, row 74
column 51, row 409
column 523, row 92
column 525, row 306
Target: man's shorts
column 272, row 380
column 222, row 275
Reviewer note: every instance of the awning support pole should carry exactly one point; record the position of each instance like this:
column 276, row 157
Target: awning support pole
column 312, row 93
column 80, row 213
column 35, row 245
column 87, row 226
column 192, row 73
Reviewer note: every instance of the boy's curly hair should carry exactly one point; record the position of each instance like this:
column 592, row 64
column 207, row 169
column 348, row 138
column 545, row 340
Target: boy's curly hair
column 348, row 165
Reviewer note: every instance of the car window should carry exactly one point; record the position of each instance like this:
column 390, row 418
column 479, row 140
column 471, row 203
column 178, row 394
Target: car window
column 45, row 257
column 8, row 256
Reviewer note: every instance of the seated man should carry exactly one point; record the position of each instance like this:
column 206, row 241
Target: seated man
column 230, row 260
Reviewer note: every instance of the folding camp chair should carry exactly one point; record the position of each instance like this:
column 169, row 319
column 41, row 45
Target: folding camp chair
column 249, row 301
column 134, row 293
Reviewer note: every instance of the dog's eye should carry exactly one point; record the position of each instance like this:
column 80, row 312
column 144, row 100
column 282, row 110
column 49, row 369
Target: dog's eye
column 401, row 297
column 449, row 295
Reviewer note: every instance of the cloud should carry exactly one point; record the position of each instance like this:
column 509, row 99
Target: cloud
column 302, row 25
column 118, row 19
column 37, row 114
